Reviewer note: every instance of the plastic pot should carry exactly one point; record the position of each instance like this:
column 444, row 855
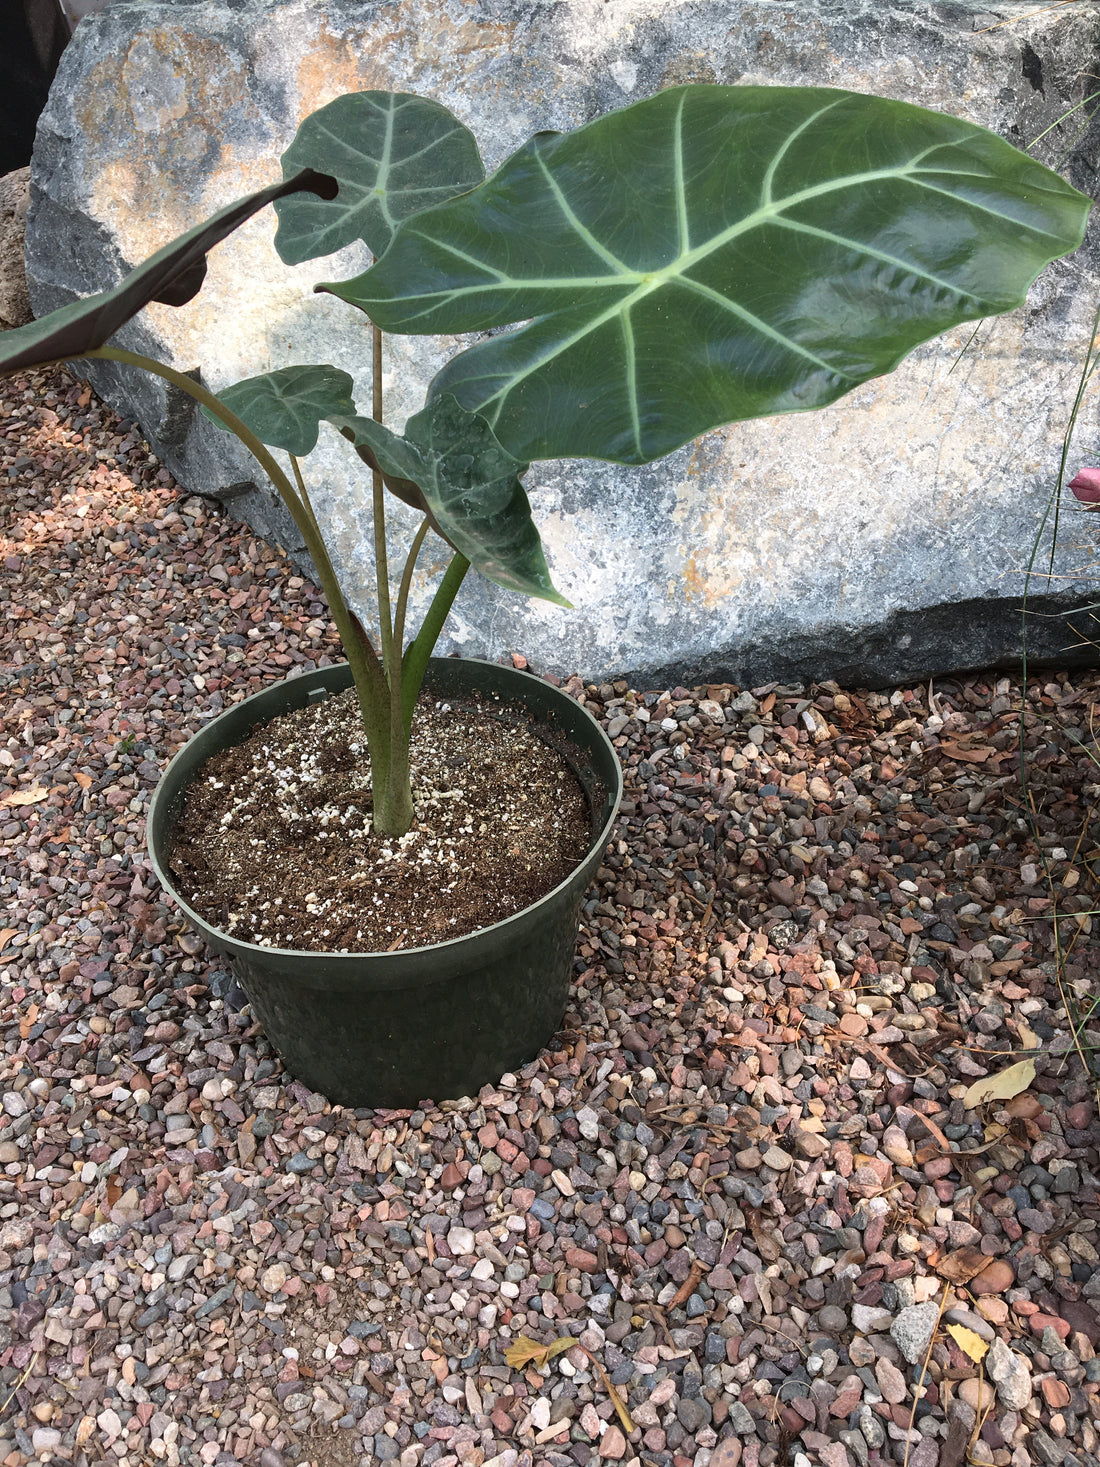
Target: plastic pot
column 392, row 1029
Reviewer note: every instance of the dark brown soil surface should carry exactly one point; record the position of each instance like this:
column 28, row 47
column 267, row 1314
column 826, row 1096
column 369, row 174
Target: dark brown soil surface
column 275, row 844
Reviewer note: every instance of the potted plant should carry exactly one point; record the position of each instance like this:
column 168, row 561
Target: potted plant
column 703, row 256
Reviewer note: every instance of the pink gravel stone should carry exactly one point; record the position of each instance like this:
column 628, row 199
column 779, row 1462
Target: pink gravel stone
column 891, row 1382
column 1039, row 1322
column 727, row 1453
column 612, row 1444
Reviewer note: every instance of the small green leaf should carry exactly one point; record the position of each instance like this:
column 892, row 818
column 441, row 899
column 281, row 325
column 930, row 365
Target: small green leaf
column 284, row 408
column 472, row 488
column 392, row 155
column 712, row 254
column 172, row 276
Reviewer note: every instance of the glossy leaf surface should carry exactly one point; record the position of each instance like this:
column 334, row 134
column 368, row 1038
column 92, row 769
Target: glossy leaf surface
column 712, row 254
column 285, row 408
column 172, row 276
column 392, row 155
column 472, row 488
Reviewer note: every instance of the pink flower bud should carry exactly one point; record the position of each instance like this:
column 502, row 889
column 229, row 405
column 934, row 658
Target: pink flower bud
column 1086, row 486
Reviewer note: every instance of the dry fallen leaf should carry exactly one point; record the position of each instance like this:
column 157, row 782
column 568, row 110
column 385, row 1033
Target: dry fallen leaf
column 965, row 754
column 25, row 797
column 1028, row 1038
column 83, row 780
column 1001, row 1086
column 525, row 1351
column 968, row 1342
column 6, row 935
column 961, row 1266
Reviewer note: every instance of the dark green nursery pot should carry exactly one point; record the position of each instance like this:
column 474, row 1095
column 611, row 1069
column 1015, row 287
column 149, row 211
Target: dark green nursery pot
column 392, row 1029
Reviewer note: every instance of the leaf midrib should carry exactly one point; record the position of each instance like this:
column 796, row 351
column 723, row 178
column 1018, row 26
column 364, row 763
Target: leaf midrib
column 646, row 282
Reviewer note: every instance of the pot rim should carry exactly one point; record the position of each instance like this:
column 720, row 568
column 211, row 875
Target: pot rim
column 237, row 946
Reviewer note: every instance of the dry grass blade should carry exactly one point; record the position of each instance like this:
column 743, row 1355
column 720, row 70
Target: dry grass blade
column 616, row 1400
column 20, row 1383
column 919, row 1385
column 1030, row 15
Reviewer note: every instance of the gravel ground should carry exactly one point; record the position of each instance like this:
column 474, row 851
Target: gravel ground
column 745, row 1175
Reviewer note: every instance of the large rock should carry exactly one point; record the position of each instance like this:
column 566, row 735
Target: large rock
column 883, row 538
column 15, row 306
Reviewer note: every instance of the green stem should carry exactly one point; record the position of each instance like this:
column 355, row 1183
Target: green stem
column 358, row 635
column 421, row 648
column 406, row 584
column 369, row 682
column 378, row 499
column 393, row 802
column 400, row 773
column 303, row 493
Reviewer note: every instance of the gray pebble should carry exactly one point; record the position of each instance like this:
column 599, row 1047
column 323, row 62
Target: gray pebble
column 855, row 1443
column 1046, row 1448
column 215, row 1301
column 693, row 1413
column 741, row 1418
column 871, row 1427
column 912, row 1330
column 1011, row 1375
column 969, row 1320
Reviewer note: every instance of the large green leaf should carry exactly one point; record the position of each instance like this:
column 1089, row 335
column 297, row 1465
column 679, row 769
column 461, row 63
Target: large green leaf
column 712, row 254
column 284, row 408
column 392, row 155
column 471, row 486
column 172, row 276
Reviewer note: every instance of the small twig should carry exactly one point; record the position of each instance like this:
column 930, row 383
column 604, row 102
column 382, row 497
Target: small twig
column 656, row 1313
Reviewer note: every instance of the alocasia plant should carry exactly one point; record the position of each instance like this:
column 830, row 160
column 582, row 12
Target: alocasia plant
column 704, row 256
